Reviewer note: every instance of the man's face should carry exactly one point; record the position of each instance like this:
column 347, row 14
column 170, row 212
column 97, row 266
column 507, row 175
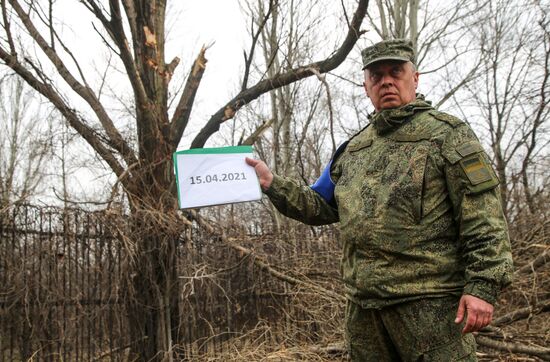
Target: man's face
column 391, row 83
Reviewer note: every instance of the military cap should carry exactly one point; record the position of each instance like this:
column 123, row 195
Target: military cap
column 397, row 49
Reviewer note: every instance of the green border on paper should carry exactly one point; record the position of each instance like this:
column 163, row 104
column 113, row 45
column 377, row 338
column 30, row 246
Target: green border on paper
column 205, row 151
column 213, row 150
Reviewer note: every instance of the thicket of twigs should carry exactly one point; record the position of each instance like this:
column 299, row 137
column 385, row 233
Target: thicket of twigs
column 281, row 289
column 520, row 330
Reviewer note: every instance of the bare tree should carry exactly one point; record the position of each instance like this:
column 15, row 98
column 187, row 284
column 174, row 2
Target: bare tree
column 538, row 111
column 135, row 33
column 25, row 141
column 510, row 101
column 293, row 123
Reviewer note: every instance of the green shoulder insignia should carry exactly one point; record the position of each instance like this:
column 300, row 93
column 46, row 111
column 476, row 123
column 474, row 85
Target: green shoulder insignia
column 447, row 118
column 475, row 164
column 476, row 169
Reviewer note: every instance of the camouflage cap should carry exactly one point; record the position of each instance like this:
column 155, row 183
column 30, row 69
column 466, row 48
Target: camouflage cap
column 397, row 49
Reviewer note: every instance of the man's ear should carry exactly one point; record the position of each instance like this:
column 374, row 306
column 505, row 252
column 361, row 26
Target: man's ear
column 416, row 76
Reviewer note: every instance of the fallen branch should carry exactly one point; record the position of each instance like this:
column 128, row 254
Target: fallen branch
column 536, row 263
column 522, row 313
column 541, row 352
column 263, row 264
column 333, row 349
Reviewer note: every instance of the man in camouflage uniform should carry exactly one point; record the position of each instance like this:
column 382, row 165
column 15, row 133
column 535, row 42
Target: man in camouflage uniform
column 425, row 242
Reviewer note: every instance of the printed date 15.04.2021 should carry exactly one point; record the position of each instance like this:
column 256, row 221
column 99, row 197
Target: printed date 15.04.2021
column 223, row 177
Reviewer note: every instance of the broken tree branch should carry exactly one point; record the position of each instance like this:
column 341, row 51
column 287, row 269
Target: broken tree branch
column 522, row 313
column 535, row 263
column 180, row 119
column 513, row 347
column 244, row 97
column 264, row 265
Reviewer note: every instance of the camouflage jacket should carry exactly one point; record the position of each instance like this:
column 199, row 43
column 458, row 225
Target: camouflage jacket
column 419, row 210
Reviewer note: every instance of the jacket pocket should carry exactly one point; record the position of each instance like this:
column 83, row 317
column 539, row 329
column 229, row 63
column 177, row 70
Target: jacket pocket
column 419, row 179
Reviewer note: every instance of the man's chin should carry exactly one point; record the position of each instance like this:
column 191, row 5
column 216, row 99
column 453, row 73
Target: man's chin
column 391, row 104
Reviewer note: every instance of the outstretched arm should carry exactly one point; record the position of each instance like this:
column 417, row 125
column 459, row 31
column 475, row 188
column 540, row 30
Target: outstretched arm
column 293, row 200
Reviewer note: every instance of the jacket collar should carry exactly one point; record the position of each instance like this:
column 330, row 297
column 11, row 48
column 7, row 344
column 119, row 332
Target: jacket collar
column 388, row 120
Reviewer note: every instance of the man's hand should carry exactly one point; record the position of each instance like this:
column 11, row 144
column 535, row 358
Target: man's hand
column 479, row 313
column 264, row 173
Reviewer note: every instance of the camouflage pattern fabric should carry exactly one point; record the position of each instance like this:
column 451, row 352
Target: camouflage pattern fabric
column 421, row 330
column 419, row 210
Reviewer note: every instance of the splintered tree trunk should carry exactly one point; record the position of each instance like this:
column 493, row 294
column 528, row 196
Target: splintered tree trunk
column 155, row 230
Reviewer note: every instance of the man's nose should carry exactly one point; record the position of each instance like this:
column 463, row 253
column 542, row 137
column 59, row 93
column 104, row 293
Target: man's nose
column 387, row 79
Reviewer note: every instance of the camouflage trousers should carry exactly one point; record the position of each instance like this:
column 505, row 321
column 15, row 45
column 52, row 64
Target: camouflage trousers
column 420, row 330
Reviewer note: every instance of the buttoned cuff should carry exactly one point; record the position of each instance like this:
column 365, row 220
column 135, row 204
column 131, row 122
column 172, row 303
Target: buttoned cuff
column 484, row 290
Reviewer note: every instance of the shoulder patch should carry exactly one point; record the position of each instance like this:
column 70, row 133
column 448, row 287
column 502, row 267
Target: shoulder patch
column 476, row 169
column 447, row 118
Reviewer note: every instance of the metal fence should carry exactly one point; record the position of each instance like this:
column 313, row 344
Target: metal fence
column 61, row 287
column 60, row 276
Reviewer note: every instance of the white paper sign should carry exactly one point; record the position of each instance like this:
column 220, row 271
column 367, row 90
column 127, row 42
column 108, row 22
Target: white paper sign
column 215, row 176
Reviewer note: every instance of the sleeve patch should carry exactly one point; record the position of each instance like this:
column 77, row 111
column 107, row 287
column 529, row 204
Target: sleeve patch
column 476, row 169
column 469, row 148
